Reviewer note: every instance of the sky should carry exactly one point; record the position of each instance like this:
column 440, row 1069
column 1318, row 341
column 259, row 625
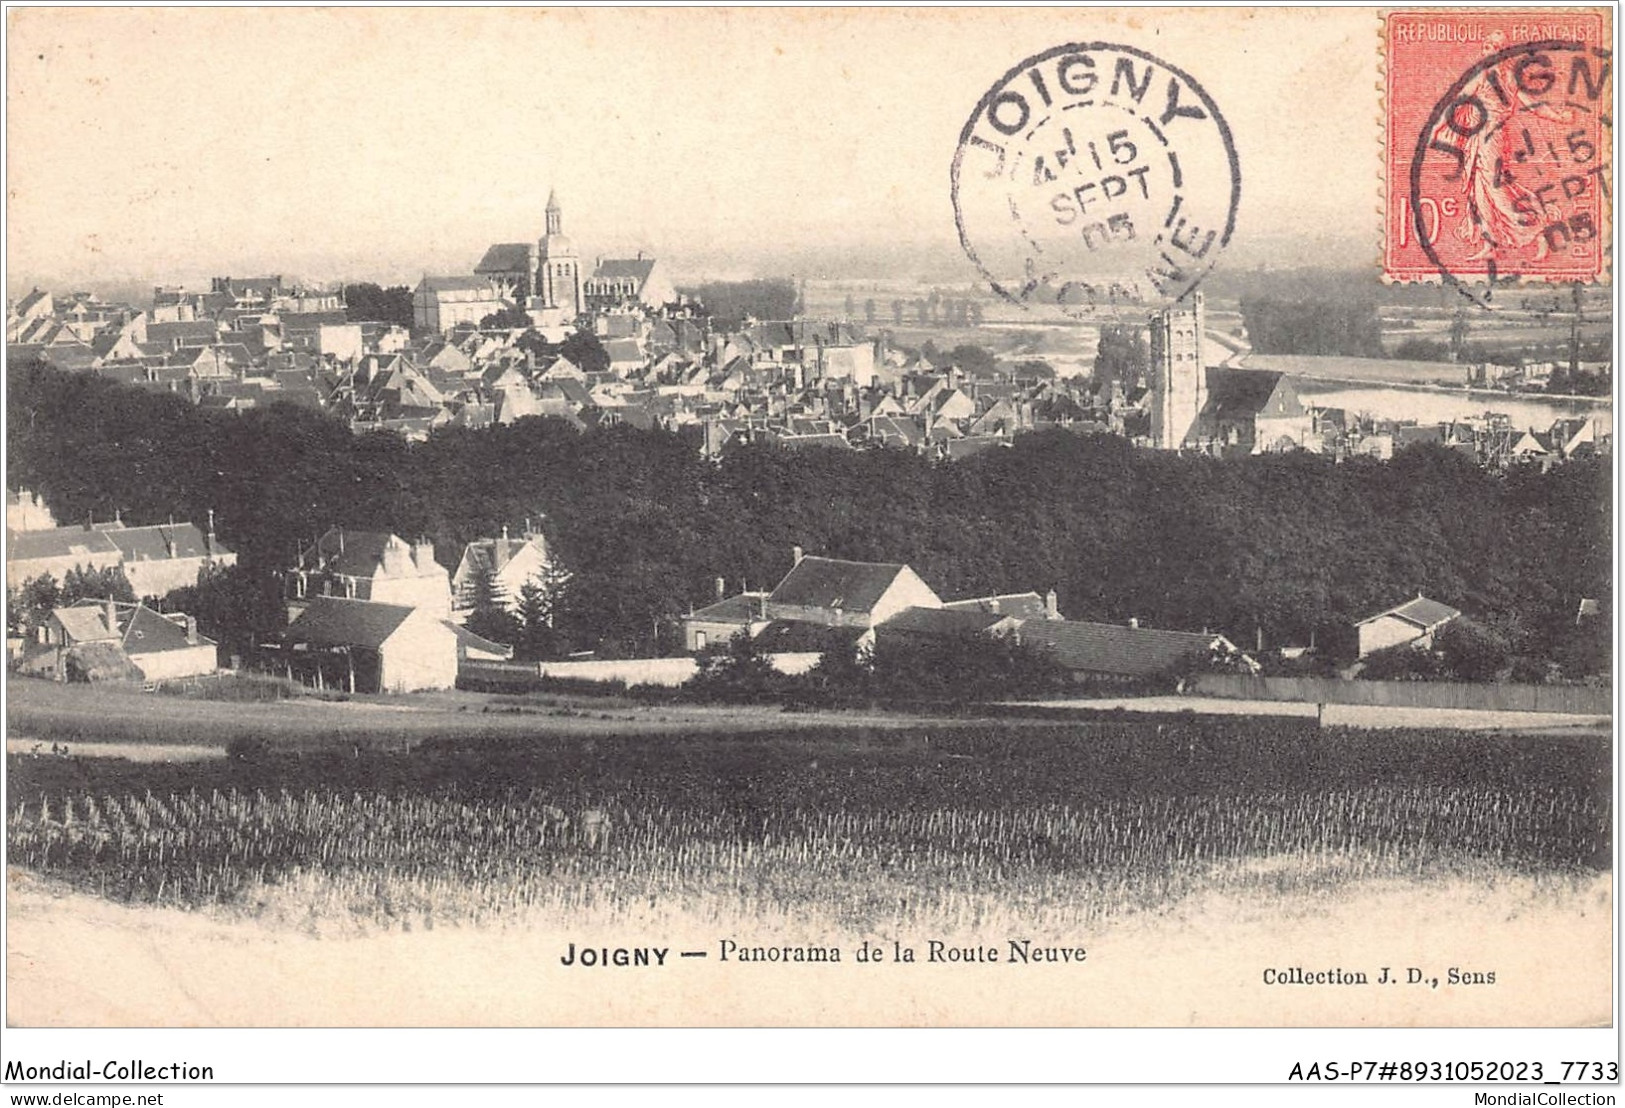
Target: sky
column 384, row 143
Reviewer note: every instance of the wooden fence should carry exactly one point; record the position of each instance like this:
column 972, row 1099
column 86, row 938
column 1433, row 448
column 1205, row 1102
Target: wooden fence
column 1583, row 700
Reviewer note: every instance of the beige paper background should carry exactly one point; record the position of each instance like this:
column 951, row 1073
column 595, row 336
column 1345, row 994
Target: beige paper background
column 167, row 145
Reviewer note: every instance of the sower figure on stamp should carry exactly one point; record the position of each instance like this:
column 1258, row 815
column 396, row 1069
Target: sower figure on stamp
column 1501, row 212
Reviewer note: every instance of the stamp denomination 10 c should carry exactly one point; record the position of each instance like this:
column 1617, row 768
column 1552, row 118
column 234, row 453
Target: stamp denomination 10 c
column 1499, row 133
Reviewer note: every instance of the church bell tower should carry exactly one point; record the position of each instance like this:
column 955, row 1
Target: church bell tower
column 558, row 268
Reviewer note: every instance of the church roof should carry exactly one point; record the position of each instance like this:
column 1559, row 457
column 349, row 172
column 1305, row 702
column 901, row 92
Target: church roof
column 1243, row 392
column 505, row 257
column 615, row 268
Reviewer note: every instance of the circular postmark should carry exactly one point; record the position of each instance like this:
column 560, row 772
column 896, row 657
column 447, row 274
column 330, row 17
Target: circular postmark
column 1094, row 175
column 1511, row 178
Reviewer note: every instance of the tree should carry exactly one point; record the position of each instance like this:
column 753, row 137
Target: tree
column 538, row 598
column 960, row 668
column 507, row 319
column 1404, row 662
column 30, row 604
column 735, row 670
column 586, row 352
column 730, row 303
column 1471, row 651
column 488, row 617
column 367, row 302
column 1122, row 354
column 975, row 360
column 236, row 606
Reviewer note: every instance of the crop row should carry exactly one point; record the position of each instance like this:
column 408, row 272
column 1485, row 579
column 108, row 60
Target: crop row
column 380, row 855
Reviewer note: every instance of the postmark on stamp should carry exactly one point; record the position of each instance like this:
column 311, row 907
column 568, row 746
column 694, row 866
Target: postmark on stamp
column 1499, row 131
column 1094, row 175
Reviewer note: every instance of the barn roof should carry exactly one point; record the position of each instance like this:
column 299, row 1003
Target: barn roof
column 939, row 621
column 1424, row 613
column 832, row 583
column 1112, row 648
column 334, row 621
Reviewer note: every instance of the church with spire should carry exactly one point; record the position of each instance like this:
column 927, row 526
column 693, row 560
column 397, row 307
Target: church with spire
column 558, row 267
column 544, row 278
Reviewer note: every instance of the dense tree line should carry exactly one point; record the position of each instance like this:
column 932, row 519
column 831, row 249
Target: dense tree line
column 369, row 303
column 1285, row 545
column 1335, row 325
column 730, row 303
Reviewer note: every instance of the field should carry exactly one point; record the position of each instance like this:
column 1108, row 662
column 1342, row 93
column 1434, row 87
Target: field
column 527, row 828
column 859, row 826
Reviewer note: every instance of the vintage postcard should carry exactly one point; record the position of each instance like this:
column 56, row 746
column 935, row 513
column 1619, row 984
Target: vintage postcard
column 810, row 518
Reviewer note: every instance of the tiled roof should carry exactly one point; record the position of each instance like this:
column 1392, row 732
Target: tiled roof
column 1024, row 605
column 58, row 542
column 147, row 632
column 832, row 583
column 1112, row 648
column 86, row 624
column 796, row 637
column 332, row 621
column 743, row 608
column 199, row 332
column 1426, row 614
column 615, row 268
column 1243, row 392
column 160, row 542
column 356, row 553
column 939, row 621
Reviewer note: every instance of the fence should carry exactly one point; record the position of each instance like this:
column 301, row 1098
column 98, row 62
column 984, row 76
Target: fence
column 664, row 672
column 1582, row 700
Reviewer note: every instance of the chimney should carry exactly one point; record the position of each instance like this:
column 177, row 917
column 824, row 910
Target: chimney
column 1051, row 607
column 502, row 550
column 210, row 535
column 795, row 555
column 191, row 630
column 112, row 616
column 722, row 588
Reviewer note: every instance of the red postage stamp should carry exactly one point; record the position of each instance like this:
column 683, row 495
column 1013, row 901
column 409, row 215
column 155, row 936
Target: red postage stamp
column 1498, row 146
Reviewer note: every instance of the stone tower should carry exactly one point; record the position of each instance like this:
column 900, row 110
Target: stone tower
column 558, row 268
column 1178, row 374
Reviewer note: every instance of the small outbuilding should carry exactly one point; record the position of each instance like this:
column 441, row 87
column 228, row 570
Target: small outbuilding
column 364, row 646
column 1414, row 622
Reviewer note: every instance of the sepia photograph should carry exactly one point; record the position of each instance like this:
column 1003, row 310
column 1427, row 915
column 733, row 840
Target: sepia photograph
column 809, row 518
